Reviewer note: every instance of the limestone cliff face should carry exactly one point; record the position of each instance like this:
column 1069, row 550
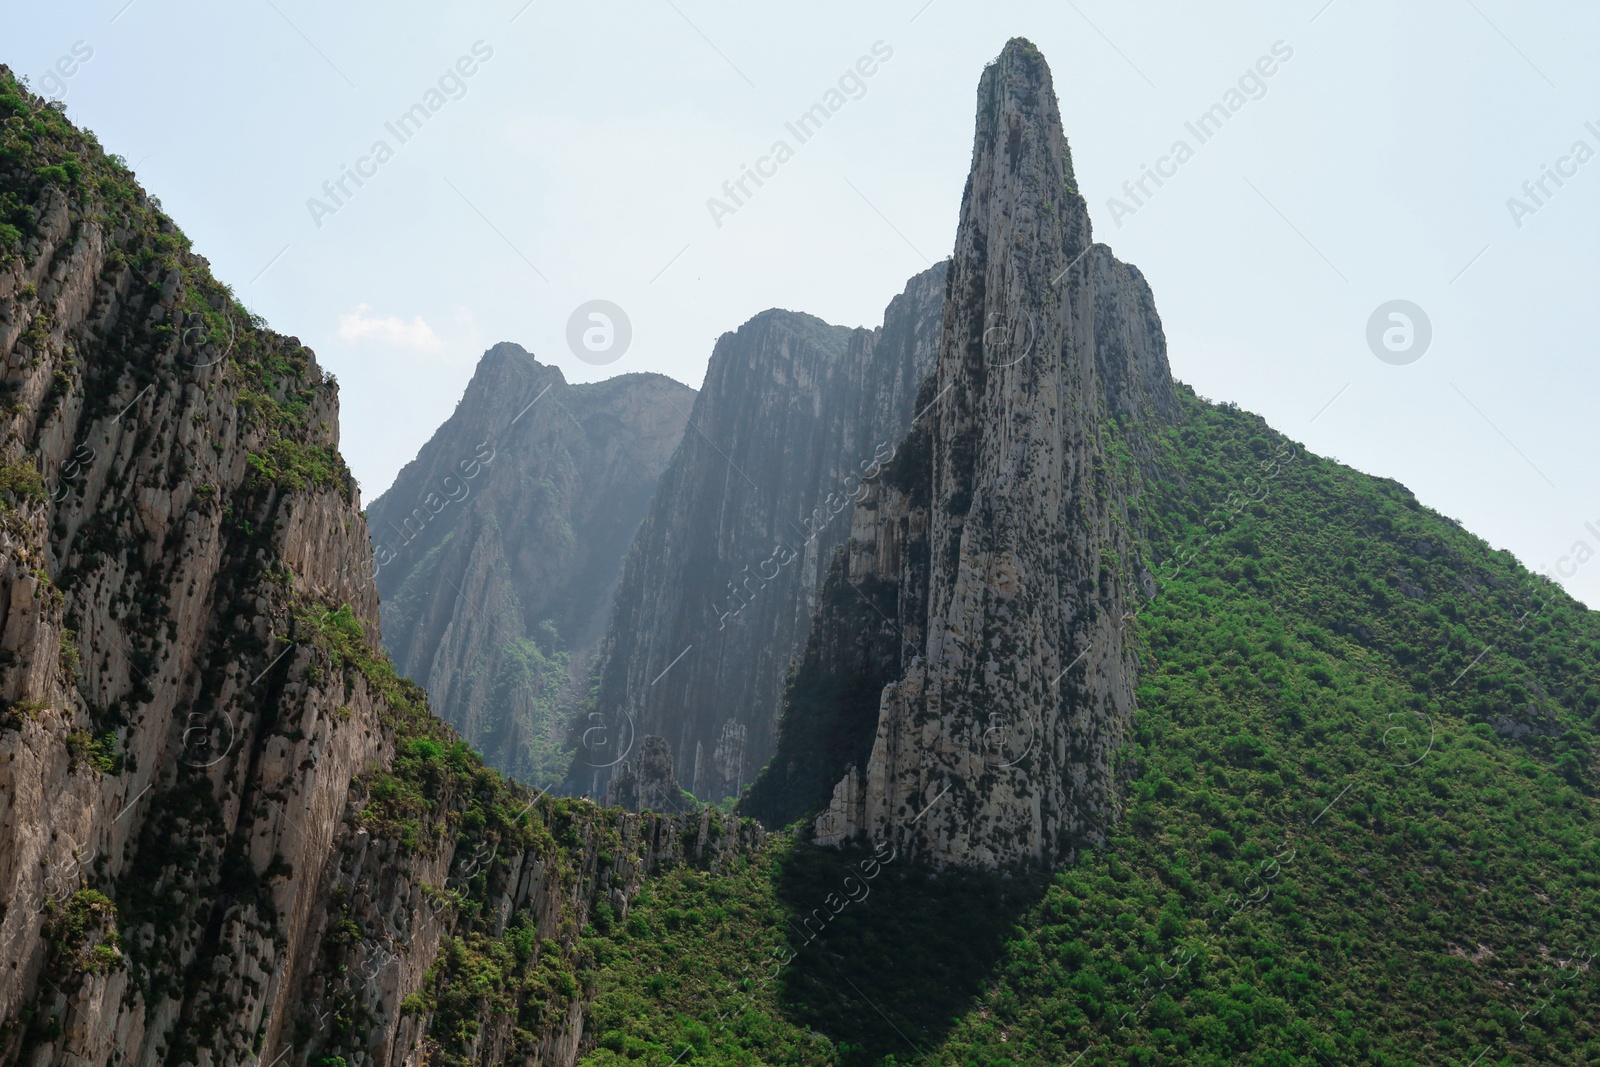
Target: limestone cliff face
column 500, row 545
column 719, row 588
column 987, row 574
column 653, row 786
column 229, row 833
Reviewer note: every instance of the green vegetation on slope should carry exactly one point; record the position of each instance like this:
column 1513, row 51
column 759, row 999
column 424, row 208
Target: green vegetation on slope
column 516, row 972
column 527, row 698
column 46, row 162
column 528, row 675
column 1359, row 824
column 693, row 974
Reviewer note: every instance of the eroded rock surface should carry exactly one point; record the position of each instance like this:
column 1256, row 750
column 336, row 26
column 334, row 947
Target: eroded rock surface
column 720, row 586
column 500, row 546
column 970, row 669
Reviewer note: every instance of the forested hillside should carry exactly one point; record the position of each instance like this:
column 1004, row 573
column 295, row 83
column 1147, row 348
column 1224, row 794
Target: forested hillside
column 1358, row 827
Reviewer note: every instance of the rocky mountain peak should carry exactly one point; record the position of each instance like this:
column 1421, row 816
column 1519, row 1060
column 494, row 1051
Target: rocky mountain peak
column 508, row 357
column 998, row 541
column 500, row 544
column 1019, row 123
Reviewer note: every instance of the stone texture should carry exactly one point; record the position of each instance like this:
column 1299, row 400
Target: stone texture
column 654, row 786
column 174, row 731
column 998, row 549
column 500, row 545
column 720, row 586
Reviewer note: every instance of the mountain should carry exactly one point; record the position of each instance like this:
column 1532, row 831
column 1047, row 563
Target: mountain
column 1318, row 785
column 230, row 832
column 1352, row 817
column 992, row 568
column 718, row 590
column 499, row 546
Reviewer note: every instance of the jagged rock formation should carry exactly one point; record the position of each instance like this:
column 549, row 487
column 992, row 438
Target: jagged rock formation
column 654, row 787
column 229, row 833
column 500, row 545
column 720, row 586
column 988, row 572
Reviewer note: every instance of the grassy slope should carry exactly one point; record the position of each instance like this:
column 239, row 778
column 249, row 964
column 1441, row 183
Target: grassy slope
column 1329, row 855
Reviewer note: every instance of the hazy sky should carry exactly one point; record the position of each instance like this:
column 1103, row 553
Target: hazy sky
column 576, row 160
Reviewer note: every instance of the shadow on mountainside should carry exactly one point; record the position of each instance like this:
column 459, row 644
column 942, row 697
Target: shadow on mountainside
column 889, row 955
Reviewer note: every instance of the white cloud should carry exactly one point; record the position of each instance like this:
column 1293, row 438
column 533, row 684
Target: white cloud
column 358, row 325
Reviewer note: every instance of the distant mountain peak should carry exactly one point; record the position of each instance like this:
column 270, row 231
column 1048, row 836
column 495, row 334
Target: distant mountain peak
column 720, row 585
column 500, row 544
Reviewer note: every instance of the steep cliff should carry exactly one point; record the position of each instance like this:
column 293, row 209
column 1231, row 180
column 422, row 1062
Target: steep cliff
column 229, row 832
column 719, row 588
column 499, row 546
column 974, row 633
column 1352, row 818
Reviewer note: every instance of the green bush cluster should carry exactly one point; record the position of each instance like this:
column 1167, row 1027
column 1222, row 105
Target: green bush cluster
column 99, row 752
column 83, row 935
column 515, row 980
column 290, row 465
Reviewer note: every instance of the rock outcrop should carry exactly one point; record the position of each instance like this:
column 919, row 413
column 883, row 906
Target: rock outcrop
column 969, row 673
column 229, row 833
column 654, row 786
column 500, row 545
column 720, row 585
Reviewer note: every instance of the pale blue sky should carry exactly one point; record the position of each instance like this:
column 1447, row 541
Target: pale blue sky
column 576, row 161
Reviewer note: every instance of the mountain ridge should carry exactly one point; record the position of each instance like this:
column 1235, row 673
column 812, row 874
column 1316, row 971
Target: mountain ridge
column 498, row 555
column 230, row 833
column 719, row 583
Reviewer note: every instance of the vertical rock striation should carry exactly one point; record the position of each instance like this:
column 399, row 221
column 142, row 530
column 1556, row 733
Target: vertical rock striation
column 720, row 585
column 500, row 545
column 230, row 834
column 970, row 662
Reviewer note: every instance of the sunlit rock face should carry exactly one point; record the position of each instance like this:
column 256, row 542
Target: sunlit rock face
column 998, row 547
